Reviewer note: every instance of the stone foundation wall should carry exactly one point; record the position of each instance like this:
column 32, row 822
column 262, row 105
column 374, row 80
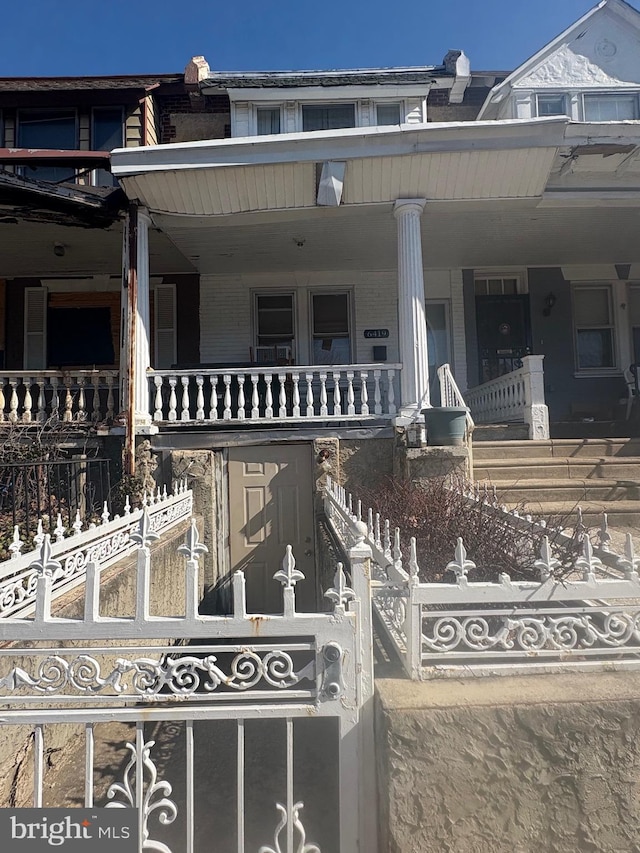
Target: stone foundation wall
column 533, row 764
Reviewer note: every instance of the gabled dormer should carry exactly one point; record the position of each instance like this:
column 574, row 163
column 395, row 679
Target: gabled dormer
column 590, row 72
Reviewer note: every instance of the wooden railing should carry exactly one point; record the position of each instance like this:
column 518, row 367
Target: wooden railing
column 277, row 393
column 35, row 396
column 516, row 397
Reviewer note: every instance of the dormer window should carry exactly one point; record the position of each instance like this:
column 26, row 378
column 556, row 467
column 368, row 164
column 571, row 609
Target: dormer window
column 388, row 114
column 552, row 105
column 267, row 120
column 328, row 116
column 610, row 107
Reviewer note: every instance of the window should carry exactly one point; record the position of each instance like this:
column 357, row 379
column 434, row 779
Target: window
column 496, row 286
column 551, row 105
column 274, row 320
column 330, row 327
column 106, row 134
column 267, row 120
column 634, row 320
column 388, row 114
column 47, row 129
column 610, row 107
column 328, row 116
column 594, row 328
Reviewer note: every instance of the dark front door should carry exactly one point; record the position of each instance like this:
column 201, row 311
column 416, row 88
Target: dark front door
column 504, row 334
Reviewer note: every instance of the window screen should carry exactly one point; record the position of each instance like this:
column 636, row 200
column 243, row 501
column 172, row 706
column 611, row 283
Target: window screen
column 268, row 120
column 47, row 129
column 593, row 319
column 610, row 107
column 274, row 319
column 551, row 105
column 328, row 116
column 331, row 339
column 388, row 114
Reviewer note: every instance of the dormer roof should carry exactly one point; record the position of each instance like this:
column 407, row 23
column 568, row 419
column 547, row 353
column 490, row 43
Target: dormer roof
column 600, row 50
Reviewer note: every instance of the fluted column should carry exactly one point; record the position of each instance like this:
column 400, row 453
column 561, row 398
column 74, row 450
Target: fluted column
column 411, row 309
column 143, row 324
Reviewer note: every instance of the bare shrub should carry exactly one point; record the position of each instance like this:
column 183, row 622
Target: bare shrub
column 437, row 514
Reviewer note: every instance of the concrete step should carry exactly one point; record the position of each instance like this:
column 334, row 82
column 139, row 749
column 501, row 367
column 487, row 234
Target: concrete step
column 619, row 513
column 580, row 467
column 559, row 448
column 501, row 432
column 568, row 490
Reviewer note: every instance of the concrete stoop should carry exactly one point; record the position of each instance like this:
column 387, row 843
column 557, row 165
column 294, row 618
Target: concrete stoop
column 554, row 477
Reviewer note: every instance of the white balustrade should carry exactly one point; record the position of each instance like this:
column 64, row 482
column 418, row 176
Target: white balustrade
column 292, row 393
column 516, row 397
column 79, row 396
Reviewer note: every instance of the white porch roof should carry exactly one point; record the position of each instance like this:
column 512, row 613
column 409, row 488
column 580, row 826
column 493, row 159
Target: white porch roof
column 499, row 193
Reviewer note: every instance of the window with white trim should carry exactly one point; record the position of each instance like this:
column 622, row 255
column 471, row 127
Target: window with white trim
column 268, row 120
column 551, row 104
column 328, row 116
column 274, row 327
column 610, row 107
column 330, row 322
column 594, row 327
column 388, row 113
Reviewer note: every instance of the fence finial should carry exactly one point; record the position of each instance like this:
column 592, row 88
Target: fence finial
column 144, row 535
column 59, row 529
column 340, row 593
column 192, row 548
column 604, row 537
column 629, row 563
column 414, row 569
column 362, row 531
column 46, row 565
column 588, row 562
column 288, row 575
column 77, row 524
column 547, row 564
column 38, row 539
column 460, row 565
column 17, row 543
column 106, row 515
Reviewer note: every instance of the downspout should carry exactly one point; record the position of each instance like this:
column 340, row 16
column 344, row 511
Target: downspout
column 132, row 308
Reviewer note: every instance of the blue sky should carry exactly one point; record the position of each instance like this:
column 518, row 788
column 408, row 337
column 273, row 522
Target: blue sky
column 77, row 37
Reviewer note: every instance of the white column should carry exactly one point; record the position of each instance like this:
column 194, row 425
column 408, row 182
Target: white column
column 143, row 324
column 411, row 311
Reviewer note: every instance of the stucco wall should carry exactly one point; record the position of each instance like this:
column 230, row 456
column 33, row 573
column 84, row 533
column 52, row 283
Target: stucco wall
column 537, row 764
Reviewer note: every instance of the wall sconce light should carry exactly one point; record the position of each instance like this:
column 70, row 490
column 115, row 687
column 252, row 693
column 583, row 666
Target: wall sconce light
column 59, row 250
column 549, row 302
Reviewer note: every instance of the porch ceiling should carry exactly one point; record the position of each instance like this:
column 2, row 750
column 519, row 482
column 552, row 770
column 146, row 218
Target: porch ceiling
column 26, row 250
column 504, row 233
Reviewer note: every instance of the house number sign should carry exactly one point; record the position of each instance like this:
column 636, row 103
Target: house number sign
column 376, row 333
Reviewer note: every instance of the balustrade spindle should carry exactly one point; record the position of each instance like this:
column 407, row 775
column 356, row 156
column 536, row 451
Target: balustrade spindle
column 296, row 396
column 199, row 397
column 157, row 415
column 241, row 400
column 213, row 402
column 110, row 400
column 173, row 400
column 81, row 414
column 68, row 400
column 42, row 403
column 226, row 415
column 2, row 399
column 324, row 411
column 351, row 409
column 55, row 399
column 391, row 395
column 184, row 414
column 13, row 402
column 377, row 396
column 268, row 413
column 364, row 394
column 282, row 396
column 95, row 407
column 337, row 399
column 28, row 401
column 255, row 398
column 310, row 401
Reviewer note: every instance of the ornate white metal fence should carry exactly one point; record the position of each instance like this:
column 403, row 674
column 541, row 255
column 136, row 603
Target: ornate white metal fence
column 589, row 620
column 245, row 668
column 516, row 397
column 78, row 396
column 72, row 551
column 284, row 393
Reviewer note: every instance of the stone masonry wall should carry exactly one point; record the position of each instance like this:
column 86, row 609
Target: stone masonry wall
column 533, row 764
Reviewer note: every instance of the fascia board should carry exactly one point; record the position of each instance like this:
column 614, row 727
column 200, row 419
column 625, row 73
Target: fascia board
column 338, row 93
column 625, row 132
column 352, row 143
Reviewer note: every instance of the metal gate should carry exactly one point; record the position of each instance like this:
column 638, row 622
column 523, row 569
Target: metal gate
column 220, row 730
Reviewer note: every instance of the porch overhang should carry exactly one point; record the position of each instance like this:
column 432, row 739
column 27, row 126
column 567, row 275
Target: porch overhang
column 453, row 161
